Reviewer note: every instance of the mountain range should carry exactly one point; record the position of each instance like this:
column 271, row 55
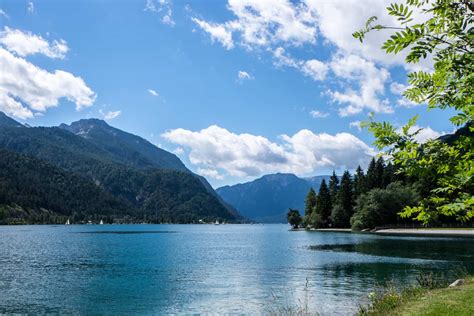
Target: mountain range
column 89, row 170
column 267, row 199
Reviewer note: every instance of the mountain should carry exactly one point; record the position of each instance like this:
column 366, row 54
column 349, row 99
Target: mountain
column 125, row 147
column 7, row 121
column 42, row 193
column 156, row 189
column 268, row 198
column 134, row 151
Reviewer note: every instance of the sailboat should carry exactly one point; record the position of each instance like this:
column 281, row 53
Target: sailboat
column 217, row 222
column 101, row 222
column 68, row 222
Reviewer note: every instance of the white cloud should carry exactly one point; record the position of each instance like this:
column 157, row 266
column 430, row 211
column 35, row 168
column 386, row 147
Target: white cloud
column 24, row 85
column 4, row 14
column 263, row 23
column 211, row 173
column 356, row 124
column 243, row 75
column 312, row 68
column 163, row 8
column 218, row 32
column 274, row 26
column 26, row 43
column 110, row 115
column 425, row 134
column 243, row 155
column 318, row 114
column 153, row 92
column 398, row 89
column 31, row 7
column 369, row 81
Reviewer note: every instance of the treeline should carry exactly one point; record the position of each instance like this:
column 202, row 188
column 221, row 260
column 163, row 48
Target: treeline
column 360, row 201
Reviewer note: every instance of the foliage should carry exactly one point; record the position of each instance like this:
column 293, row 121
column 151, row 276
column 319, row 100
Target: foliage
column 343, row 209
column 333, row 187
column 321, row 215
column 446, row 36
column 294, row 218
column 310, row 204
column 381, row 206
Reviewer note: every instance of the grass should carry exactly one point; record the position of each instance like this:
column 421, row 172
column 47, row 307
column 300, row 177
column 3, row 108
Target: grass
column 419, row 300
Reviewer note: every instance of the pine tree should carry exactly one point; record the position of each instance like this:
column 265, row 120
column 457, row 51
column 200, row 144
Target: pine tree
column 371, row 177
column 388, row 174
column 310, row 203
column 379, row 170
column 344, row 208
column 333, row 187
column 360, row 185
column 323, row 205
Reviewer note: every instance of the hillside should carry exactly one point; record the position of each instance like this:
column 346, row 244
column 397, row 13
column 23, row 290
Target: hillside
column 268, row 198
column 157, row 194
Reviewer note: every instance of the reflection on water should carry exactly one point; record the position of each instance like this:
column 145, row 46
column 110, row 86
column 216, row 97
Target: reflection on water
column 206, row 268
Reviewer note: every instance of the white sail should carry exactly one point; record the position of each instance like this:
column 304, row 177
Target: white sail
column 101, row 222
column 67, row 222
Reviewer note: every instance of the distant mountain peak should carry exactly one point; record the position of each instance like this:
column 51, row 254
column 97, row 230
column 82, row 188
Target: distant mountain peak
column 5, row 120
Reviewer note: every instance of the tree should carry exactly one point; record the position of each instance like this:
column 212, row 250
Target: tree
column 322, row 212
column 446, row 36
column 371, row 178
column 333, row 187
column 360, row 185
column 343, row 209
column 379, row 170
column 381, row 206
column 294, row 218
column 310, row 202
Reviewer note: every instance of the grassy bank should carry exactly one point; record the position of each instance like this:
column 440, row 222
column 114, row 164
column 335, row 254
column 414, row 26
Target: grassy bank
column 422, row 301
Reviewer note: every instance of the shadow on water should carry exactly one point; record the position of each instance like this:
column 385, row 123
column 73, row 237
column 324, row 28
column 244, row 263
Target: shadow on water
column 461, row 249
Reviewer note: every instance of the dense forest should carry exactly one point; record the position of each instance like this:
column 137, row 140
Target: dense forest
column 50, row 174
column 368, row 200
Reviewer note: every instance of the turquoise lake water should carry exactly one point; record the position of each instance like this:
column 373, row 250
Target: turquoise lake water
column 189, row 269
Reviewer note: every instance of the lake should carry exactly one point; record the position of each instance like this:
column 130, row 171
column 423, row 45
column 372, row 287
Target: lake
column 240, row 269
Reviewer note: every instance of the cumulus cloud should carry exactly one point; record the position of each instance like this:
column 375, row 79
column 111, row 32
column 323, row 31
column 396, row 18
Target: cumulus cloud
column 398, row 89
column 162, row 8
column 217, row 32
column 275, row 26
column 356, row 124
column 26, row 43
column 369, row 81
column 312, row 68
column 318, row 114
column 425, row 134
column 110, row 115
column 153, row 92
column 244, row 155
column 262, row 23
column 24, row 85
column 210, row 173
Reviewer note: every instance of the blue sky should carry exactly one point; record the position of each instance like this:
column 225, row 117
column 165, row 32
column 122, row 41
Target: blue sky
column 240, row 88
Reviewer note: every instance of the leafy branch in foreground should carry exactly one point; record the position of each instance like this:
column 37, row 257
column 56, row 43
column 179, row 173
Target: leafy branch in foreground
column 446, row 167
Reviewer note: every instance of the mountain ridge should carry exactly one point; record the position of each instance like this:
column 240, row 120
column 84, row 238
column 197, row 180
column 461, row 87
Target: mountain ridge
column 268, row 198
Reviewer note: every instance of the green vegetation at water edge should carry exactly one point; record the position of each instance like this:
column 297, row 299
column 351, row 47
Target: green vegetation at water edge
column 457, row 301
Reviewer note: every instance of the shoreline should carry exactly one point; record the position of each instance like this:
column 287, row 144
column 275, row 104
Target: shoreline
column 426, row 232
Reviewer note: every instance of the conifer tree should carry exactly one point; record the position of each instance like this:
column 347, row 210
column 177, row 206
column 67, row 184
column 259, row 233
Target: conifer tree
column 333, row 187
column 371, row 176
column 323, row 205
column 310, row 204
column 360, row 186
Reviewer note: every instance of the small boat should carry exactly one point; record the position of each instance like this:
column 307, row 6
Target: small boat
column 101, row 222
column 68, row 222
column 217, row 222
